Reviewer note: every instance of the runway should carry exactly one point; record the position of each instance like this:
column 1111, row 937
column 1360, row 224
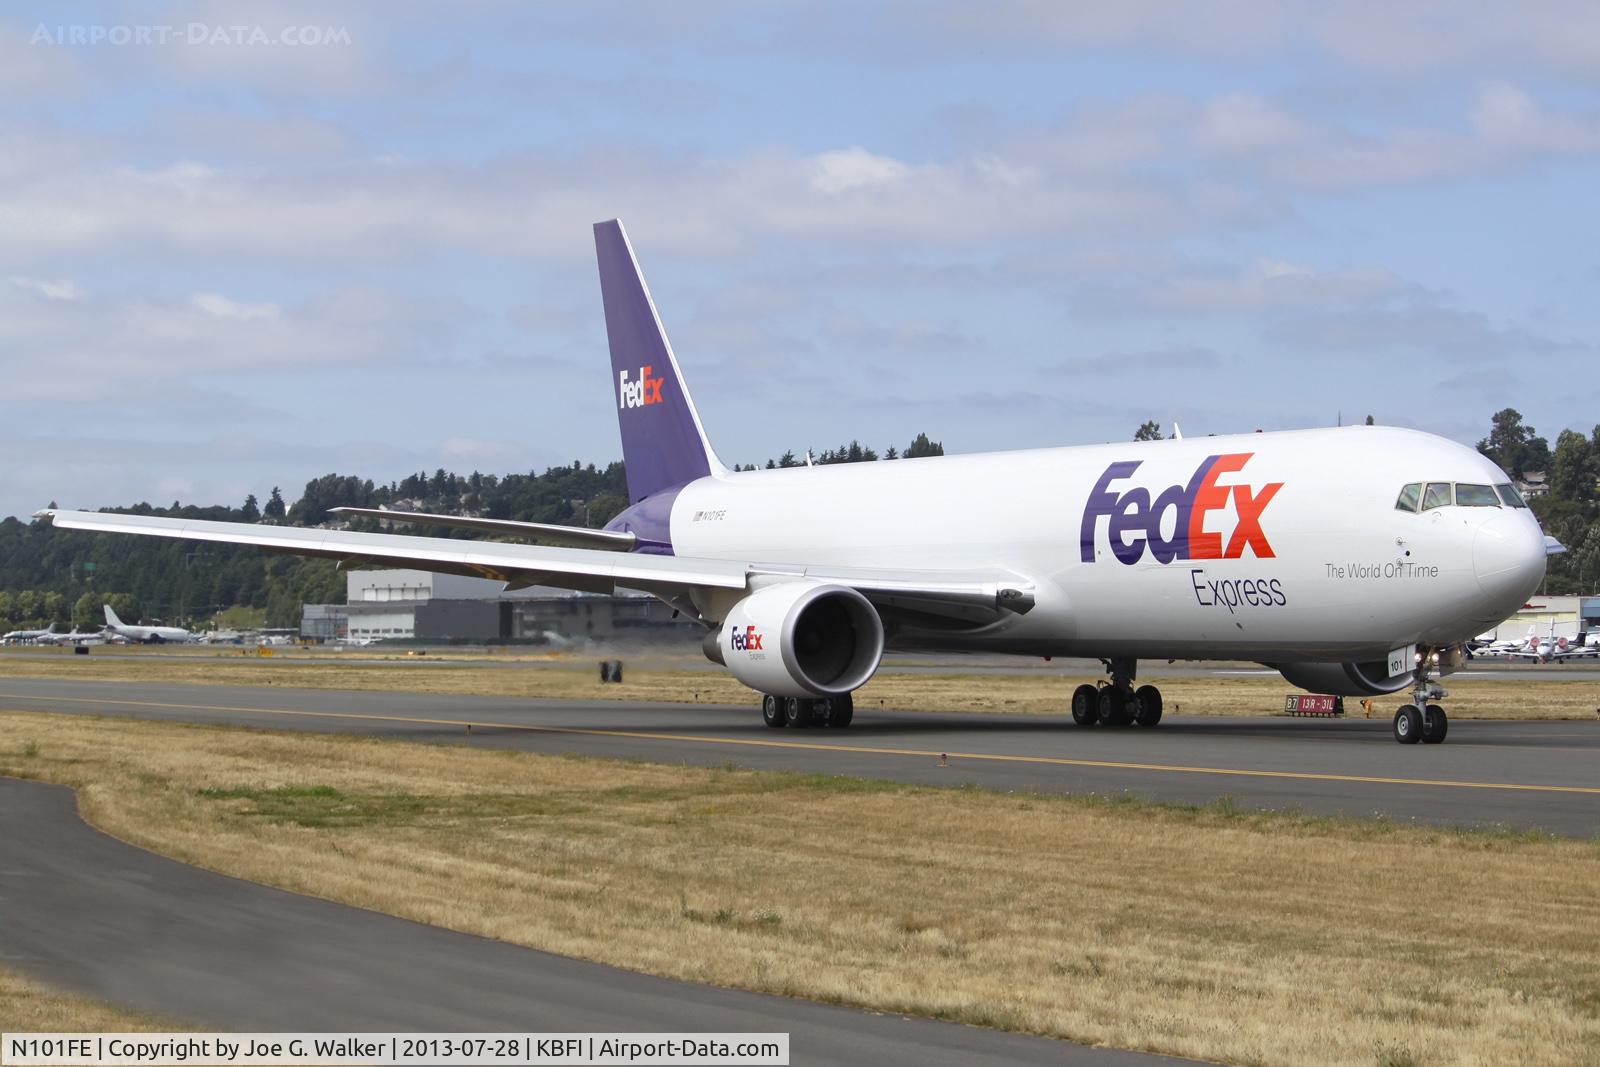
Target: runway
column 91, row 914
column 1543, row 775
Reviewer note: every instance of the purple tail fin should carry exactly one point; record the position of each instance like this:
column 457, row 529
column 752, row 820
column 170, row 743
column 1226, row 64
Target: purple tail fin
column 663, row 444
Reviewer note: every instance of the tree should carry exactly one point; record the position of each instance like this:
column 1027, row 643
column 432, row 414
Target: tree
column 920, row 446
column 251, row 512
column 1572, row 467
column 1150, row 430
column 87, row 611
column 275, row 508
column 55, row 609
column 126, row 606
column 1371, row 421
column 1515, row 447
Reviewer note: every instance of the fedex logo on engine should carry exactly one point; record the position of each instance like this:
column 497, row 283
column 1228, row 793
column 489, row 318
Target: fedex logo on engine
column 1134, row 518
column 639, row 394
column 746, row 640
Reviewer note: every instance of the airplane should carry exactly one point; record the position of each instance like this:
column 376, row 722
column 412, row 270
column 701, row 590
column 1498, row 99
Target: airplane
column 1355, row 560
column 150, row 635
column 75, row 637
column 1544, row 650
column 21, row 636
column 1582, row 648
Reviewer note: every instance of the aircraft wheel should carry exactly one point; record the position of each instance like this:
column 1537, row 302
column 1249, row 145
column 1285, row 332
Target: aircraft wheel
column 772, row 712
column 1114, row 706
column 841, row 709
column 797, row 712
column 1408, row 724
column 1086, row 705
column 1435, row 724
column 1147, row 705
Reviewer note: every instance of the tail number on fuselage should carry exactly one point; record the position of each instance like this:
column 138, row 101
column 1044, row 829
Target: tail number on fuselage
column 1134, row 512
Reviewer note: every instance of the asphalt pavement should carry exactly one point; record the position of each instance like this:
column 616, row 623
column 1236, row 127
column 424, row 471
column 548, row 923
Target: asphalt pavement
column 1517, row 774
column 92, row 914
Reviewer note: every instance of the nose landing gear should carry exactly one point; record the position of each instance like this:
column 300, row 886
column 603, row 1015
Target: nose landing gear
column 1421, row 720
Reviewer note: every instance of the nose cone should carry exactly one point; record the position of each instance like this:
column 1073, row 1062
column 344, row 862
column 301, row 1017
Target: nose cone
column 1508, row 554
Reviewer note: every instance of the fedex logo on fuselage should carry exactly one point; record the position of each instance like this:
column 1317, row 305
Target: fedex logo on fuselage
column 642, row 393
column 746, row 640
column 1134, row 519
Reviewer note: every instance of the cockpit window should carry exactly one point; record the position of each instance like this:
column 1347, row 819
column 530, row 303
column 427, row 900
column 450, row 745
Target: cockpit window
column 1437, row 495
column 1510, row 496
column 1409, row 496
column 1476, row 496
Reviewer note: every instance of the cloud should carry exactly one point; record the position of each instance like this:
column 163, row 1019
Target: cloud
column 1507, row 119
column 1149, row 362
column 62, row 289
column 220, row 307
column 1444, row 336
column 110, row 342
column 1375, row 36
column 1238, row 123
column 855, row 168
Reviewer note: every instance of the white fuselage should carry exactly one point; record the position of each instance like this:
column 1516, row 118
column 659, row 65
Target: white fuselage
column 1155, row 559
column 172, row 634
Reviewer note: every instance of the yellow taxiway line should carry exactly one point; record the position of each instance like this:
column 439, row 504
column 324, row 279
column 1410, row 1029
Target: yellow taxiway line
column 992, row 757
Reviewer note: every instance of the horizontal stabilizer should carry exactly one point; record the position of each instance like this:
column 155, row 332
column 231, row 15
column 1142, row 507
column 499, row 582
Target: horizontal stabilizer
column 542, row 533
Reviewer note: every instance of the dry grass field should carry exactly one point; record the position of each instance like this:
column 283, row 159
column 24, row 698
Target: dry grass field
column 1527, row 695
column 28, row 1006
column 1215, row 933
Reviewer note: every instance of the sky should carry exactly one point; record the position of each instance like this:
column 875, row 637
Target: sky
column 242, row 246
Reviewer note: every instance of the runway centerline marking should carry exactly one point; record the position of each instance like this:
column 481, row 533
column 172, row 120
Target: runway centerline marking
column 992, row 757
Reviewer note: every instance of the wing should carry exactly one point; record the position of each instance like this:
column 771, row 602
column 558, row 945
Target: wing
column 927, row 598
column 537, row 532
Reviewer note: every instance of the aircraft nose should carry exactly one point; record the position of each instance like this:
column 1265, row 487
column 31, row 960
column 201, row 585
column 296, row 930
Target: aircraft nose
column 1508, row 554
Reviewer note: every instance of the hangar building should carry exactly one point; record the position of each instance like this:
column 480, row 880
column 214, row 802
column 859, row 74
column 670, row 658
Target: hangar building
column 421, row 606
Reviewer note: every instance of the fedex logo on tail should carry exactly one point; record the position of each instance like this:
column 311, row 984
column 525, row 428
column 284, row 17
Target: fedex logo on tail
column 746, row 640
column 1134, row 517
column 642, row 393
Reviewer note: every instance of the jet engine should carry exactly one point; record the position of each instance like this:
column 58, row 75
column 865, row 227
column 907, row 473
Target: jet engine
column 801, row 639
column 1344, row 679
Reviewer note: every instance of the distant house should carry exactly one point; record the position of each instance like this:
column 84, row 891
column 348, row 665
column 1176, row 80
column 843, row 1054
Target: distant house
column 1533, row 483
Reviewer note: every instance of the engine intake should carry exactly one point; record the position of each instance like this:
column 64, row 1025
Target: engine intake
column 801, row 639
column 1343, row 679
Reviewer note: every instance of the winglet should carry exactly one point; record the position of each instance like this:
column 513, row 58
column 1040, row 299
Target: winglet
column 663, row 443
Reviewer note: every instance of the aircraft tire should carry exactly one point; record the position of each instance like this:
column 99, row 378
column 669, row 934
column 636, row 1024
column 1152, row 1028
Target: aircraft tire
column 1147, row 705
column 1408, row 724
column 1435, row 724
column 772, row 712
column 841, row 709
column 1086, row 705
column 797, row 712
column 1114, row 706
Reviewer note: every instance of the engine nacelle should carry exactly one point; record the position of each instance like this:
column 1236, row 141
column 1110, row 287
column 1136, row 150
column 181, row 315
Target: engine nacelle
column 801, row 639
column 1344, row 679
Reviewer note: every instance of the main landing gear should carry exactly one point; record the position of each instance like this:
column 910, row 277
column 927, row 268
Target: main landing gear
column 1422, row 720
column 799, row 712
column 1117, row 702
